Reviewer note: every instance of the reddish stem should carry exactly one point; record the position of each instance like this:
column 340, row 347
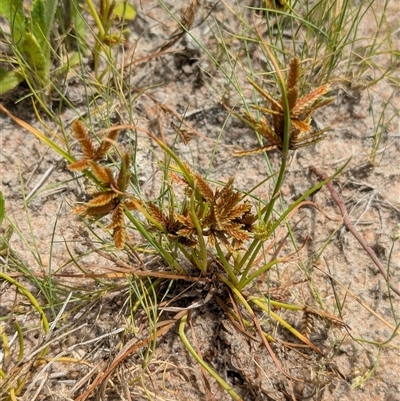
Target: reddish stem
column 346, row 220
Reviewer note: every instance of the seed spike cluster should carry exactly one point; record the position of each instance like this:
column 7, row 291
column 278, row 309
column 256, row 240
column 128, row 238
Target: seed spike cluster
column 89, row 150
column 301, row 110
column 113, row 198
column 221, row 214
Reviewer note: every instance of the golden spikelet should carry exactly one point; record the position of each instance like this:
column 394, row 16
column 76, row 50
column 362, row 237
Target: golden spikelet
column 239, row 210
column 226, row 189
column 307, row 324
column 103, row 174
column 90, row 153
column 84, row 140
column 230, row 200
column 216, row 217
column 118, row 225
column 302, row 126
column 310, row 139
column 105, row 145
column 203, row 187
column 211, row 240
column 79, row 210
column 264, row 128
column 124, row 175
column 278, row 127
column 256, row 151
column 321, row 103
column 266, row 95
column 79, row 165
column 292, row 95
column 236, row 232
column 177, row 178
column 131, row 204
column 188, row 169
column 117, row 217
column 294, row 72
column 101, row 210
column 184, row 220
column 119, row 236
column 186, row 232
column 157, row 214
column 304, row 103
column 102, row 199
column 227, row 197
column 112, row 198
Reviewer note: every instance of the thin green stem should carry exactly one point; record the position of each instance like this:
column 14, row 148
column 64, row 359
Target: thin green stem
column 200, row 238
column 96, row 18
column 245, row 280
column 251, row 254
column 286, row 130
column 225, row 263
column 33, row 302
column 199, row 360
column 162, row 252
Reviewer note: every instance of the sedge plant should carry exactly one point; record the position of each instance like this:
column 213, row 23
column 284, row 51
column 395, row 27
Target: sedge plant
column 214, row 230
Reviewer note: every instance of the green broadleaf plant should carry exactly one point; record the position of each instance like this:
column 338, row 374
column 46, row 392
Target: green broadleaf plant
column 29, row 41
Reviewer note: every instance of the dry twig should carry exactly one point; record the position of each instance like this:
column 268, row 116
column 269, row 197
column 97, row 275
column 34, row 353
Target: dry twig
column 346, row 220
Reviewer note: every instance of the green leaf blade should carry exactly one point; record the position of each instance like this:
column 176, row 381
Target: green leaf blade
column 9, row 80
column 42, row 17
column 36, row 56
column 125, row 11
column 2, row 208
column 13, row 12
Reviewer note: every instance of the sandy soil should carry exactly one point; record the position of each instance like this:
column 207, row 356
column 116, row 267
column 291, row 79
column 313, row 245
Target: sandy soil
column 189, row 83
